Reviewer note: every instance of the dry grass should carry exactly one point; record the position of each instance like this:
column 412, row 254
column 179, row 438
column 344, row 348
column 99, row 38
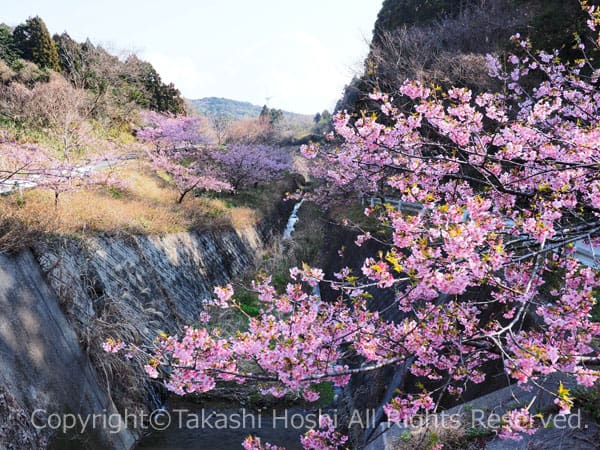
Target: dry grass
column 121, row 376
column 243, row 217
column 454, row 432
column 146, row 205
column 15, row 233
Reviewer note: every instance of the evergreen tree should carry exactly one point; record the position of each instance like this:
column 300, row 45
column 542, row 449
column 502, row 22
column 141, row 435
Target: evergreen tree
column 265, row 114
column 8, row 49
column 270, row 116
column 323, row 124
column 163, row 97
column 148, row 90
column 173, row 101
column 275, row 116
column 34, row 43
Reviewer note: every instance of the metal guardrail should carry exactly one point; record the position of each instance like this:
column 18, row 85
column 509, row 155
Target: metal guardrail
column 410, row 207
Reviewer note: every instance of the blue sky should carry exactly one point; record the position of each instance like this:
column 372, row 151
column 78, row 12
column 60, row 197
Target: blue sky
column 299, row 54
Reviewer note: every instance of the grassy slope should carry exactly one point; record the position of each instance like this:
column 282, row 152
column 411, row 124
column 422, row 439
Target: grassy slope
column 145, row 205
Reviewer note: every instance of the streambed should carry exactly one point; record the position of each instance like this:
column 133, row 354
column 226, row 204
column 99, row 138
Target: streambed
column 214, row 426
column 196, row 426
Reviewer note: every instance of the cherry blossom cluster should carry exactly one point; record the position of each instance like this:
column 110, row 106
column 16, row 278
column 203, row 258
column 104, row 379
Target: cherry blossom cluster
column 254, row 443
column 166, row 131
column 113, row 346
column 517, row 422
column 180, row 150
column 324, row 438
column 292, row 350
column 245, row 165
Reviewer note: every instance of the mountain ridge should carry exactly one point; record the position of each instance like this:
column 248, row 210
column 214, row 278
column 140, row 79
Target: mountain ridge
column 233, row 109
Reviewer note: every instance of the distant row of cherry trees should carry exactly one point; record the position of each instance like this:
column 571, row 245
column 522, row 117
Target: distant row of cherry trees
column 178, row 148
column 184, row 152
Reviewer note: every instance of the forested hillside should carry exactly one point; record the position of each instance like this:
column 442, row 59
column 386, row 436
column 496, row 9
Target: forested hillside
column 235, row 109
column 224, row 107
column 31, row 60
column 445, row 42
column 232, row 119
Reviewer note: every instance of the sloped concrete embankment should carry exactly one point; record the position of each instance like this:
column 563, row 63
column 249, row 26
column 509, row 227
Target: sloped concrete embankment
column 59, row 301
column 43, row 366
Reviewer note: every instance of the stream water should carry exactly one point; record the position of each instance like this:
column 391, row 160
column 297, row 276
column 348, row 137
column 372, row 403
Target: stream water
column 291, row 223
column 196, row 426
